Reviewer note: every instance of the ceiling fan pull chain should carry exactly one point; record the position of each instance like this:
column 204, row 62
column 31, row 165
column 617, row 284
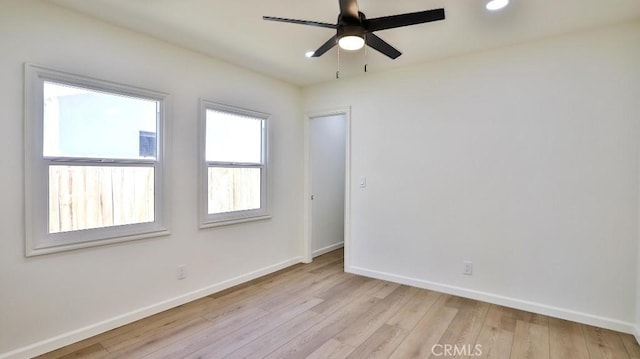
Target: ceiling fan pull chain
column 338, row 71
column 366, row 55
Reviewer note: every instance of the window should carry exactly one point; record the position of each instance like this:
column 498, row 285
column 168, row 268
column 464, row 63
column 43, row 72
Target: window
column 234, row 165
column 93, row 161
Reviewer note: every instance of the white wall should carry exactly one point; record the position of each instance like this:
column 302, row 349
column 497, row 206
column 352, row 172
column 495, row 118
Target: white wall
column 51, row 300
column 523, row 160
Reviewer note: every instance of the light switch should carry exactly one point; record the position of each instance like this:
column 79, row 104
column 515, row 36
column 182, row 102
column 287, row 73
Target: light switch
column 363, row 182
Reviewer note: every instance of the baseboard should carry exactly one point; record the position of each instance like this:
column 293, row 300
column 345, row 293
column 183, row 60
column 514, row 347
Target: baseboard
column 525, row 305
column 112, row 323
column 327, row 249
column 636, row 334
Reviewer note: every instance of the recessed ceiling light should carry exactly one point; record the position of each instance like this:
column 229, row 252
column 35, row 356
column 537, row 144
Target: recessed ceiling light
column 497, row 4
column 309, row 53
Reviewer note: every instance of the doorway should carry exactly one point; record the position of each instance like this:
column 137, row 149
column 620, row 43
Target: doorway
column 327, row 190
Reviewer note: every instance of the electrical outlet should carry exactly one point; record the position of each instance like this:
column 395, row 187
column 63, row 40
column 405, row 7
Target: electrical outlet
column 181, row 272
column 468, row 268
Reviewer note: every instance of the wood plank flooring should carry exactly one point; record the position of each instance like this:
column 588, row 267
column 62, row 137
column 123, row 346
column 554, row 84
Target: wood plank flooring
column 318, row 311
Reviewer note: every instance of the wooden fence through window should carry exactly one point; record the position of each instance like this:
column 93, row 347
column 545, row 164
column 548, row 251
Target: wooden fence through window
column 86, row 197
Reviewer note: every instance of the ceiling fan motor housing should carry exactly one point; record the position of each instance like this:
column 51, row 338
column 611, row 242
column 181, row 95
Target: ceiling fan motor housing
column 350, row 26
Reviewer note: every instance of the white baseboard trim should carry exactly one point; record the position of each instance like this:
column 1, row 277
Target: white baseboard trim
column 321, row 251
column 120, row 320
column 636, row 334
column 562, row 313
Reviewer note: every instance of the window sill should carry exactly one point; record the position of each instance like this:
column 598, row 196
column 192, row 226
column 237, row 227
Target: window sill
column 49, row 248
column 234, row 221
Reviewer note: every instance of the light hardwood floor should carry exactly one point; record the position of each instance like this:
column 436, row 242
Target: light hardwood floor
column 318, row 311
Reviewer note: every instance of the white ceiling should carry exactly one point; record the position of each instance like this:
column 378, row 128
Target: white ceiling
column 234, row 30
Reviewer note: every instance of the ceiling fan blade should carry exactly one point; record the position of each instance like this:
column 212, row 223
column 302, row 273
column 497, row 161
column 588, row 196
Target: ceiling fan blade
column 382, row 46
column 301, row 22
column 350, row 8
column 389, row 22
column 326, row 46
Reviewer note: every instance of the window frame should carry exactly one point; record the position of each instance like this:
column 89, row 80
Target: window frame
column 38, row 240
column 208, row 220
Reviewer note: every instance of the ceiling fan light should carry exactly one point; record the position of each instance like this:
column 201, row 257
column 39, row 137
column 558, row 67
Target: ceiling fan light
column 351, row 42
column 497, row 4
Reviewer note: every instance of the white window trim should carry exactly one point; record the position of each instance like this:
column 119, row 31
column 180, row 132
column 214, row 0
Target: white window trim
column 222, row 219
column 37, row 239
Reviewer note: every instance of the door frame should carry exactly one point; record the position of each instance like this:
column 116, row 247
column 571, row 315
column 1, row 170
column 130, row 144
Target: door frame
column 307, row 255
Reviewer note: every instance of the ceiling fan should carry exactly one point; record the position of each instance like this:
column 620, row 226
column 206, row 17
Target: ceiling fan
column 354, row 30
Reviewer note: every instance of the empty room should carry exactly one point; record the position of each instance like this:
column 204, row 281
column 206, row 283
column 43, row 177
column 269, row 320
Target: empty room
column 320, row 179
